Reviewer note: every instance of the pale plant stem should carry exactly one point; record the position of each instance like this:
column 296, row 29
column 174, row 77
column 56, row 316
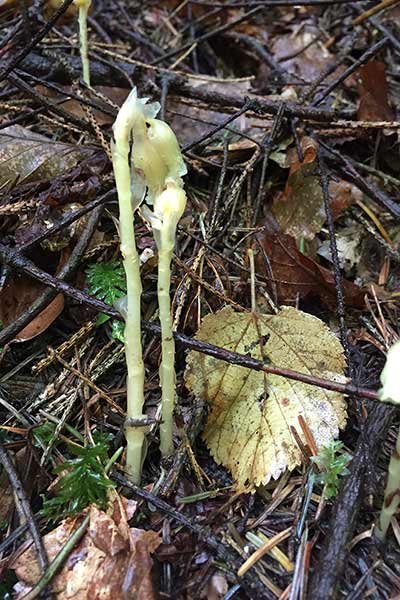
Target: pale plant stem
column 392, row 493
column 133, row 345
column 167, row 370
column 83, row 41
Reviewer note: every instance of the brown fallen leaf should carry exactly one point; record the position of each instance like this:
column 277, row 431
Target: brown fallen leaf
column 74, row 107
column 249, row 426
column 373, row 92
column 303, row 58
column 299, row 209
column 291, row 274
column 111, row 561
column 19, row 293
column 28, row 156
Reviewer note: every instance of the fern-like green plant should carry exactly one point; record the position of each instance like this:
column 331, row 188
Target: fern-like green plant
column 83, row 483
column 107, row 282
column 333, row 465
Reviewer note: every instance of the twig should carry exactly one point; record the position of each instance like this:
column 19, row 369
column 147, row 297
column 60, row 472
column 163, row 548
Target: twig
column 348, row 172
column 248, row 105
column 71, row 217
column 365, row 57
column 209, row 34
column 24, row 503
column 204, row 534
column 21, row 263
column 272, row 3
column 262, row 105
column 335, row 257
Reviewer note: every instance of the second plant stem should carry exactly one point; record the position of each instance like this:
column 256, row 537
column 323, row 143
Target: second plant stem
column 83, row 41
column 167, row 371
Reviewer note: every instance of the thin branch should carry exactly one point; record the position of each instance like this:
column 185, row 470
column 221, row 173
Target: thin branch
column 20, row 263
column 19, row 491
column 204, row 534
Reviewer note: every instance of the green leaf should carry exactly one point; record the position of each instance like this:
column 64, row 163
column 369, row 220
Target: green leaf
column 107, row 282
column 117, row 331
column 84, row 483
column 102, row 318
column 333, row 467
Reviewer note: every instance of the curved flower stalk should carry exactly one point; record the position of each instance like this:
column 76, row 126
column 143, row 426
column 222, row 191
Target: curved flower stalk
column 168, row 209
column 390, row 392
column 131, row 121
column 83, row 8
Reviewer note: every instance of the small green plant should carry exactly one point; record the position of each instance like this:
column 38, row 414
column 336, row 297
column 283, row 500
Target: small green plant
column 107, row 282
column 333, row 464
column 84, row 482
column 83, row 8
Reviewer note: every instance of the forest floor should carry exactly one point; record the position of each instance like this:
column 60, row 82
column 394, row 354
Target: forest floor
column 286, row 114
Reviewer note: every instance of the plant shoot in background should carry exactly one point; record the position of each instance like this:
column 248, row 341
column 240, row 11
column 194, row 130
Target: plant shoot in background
column 83, row 8
column 390, row 392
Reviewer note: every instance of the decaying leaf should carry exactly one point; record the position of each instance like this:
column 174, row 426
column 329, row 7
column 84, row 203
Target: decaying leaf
column 299, row 209
column 292, row 275
column 298, row 54
column 19, row 293
column 27, row 156
column 111, row 561
column 373, row 91
column 249, row 426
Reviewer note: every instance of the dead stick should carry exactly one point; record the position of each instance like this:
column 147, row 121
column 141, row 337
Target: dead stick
column 22, row 264
column 19, row 491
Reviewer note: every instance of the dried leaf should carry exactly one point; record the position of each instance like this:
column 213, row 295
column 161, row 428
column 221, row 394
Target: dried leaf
column 74, row 107
column 373, row 92
column 27, row 156
column 299, row 210
column 111, row 561
column 294, row 275
column 249, row 426
column 19, row 293
column 304, row 58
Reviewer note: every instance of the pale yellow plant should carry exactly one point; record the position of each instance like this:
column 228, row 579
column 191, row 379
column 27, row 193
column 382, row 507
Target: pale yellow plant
column 131, row 118
column 157, row 167
column 83, row 8
column 390, row 392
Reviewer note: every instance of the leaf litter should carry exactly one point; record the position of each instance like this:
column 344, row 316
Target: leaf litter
column 112, row 560
column 296, row 52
